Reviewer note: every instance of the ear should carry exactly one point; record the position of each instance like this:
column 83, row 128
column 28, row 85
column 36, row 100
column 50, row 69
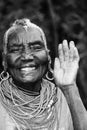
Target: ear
column 4, row 62
column 48, row 53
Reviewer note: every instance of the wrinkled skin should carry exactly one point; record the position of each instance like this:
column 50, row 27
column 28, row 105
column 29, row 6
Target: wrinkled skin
column 27, row 57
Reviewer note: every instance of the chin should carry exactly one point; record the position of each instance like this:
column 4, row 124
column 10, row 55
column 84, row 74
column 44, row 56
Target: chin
column 24, row 76
column 28, row 80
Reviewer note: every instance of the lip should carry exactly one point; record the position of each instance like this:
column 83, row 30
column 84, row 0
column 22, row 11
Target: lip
column 28, row 66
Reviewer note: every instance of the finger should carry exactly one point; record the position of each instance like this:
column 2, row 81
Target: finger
column 71, row 52
column 65, row 50
column 76, row 54
column 61, row 55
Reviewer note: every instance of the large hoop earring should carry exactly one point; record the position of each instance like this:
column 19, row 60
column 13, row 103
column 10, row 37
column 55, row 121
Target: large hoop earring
column 49, row 74
column 4, row 75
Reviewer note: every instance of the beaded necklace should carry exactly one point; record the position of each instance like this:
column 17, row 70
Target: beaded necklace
column 32, row 112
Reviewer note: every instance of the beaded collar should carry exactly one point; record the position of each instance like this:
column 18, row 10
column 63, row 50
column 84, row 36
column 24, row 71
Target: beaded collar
column 33, row 112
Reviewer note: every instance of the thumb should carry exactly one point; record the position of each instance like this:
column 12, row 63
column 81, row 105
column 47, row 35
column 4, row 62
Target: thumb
column 56, row 64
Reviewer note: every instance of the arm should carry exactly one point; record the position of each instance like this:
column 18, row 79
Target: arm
column 65, row 71
column 77, row 109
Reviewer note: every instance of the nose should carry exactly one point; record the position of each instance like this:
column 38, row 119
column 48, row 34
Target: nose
column 27, row 56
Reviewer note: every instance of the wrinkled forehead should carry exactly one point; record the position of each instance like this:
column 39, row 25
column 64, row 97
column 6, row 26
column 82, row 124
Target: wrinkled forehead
column 25, row 35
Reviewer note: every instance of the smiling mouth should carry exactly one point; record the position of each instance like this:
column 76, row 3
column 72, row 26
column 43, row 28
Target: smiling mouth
column 27, row 69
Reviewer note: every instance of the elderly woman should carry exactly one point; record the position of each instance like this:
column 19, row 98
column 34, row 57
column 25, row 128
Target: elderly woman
column 28, row 99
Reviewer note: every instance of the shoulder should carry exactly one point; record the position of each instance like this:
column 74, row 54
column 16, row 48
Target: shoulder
column 6, row 122
column 3, row 116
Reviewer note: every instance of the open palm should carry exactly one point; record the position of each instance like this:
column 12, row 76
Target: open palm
column 66, row 66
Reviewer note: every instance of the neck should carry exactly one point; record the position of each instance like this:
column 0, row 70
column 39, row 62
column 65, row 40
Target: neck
column 33, row 87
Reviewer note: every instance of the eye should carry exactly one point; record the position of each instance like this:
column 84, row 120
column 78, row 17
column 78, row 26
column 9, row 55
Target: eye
column 14, row 50
column 35, row 47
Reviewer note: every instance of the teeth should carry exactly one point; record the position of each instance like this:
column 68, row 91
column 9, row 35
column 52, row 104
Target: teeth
column 28, row 69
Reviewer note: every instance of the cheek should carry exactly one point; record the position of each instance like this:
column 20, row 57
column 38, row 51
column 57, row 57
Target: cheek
column 11, row 60
column 42, row 56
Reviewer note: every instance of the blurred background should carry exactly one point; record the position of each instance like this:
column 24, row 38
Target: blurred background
column 60, row 19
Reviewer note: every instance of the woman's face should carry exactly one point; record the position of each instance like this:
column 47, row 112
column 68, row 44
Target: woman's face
column 27, row 57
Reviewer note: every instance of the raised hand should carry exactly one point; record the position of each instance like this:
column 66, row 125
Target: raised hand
column 66, row 66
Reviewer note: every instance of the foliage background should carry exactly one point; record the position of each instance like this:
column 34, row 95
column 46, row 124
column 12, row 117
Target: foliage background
column 60, row 19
